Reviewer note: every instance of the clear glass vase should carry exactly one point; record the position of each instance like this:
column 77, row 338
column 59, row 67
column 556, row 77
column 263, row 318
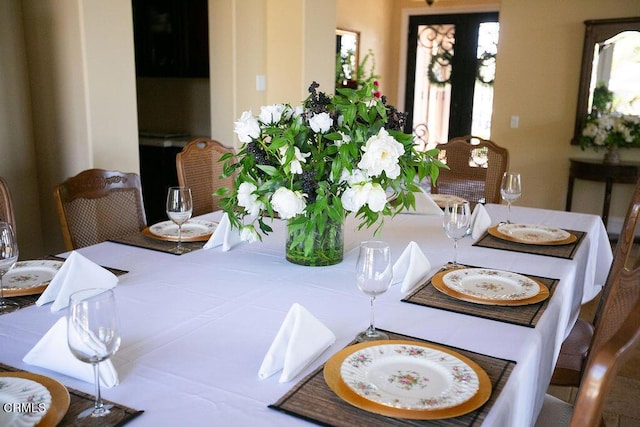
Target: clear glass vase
column 327, row 247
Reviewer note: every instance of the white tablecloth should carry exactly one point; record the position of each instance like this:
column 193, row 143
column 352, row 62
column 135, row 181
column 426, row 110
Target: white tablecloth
column 196, row 327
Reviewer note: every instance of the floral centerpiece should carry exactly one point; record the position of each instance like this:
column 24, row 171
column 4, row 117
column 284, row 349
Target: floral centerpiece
column 316, row 163
column 611, row 131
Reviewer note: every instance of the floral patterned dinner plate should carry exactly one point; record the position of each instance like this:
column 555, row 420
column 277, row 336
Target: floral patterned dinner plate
column 29, row 277
column 195, row 230
column 24, row 402
column 442, row 199
column 491, row 284
column 533, row 234
column 409, row 377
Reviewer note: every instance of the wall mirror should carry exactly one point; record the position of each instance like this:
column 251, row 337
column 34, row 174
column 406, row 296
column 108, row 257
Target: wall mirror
column 610, row 58
column 347, row 51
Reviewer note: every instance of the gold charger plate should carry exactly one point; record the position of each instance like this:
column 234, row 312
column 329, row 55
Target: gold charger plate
column 195, row 223
column 60, row 399
column 496, row 233
column 442, row 199
column 339, row 387
column 29, row 277
column 438, row 283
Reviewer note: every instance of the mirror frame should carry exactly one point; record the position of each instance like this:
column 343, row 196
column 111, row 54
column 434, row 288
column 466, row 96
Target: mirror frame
column 596, row 31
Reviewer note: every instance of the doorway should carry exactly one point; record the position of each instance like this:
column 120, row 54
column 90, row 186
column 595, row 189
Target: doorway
column 450, row 75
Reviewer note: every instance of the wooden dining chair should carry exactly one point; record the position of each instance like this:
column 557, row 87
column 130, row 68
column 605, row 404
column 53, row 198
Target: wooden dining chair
column 613, row 350
column 476, row 166
column 613, row 307
column 97, row 205
column 199, row 168
column 6, row 205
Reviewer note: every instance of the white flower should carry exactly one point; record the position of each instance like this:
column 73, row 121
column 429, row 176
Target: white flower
column 320, row 123
column 345, row 139
column 298, row 158
column 288, row 203
column 356, row 176
column 271, row 114
column 368, row 193
column 381, row 154
column 248, row 200
column 247, row 127
column 249, row 234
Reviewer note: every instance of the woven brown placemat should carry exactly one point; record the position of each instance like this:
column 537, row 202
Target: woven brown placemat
column 312, row 399
column 559, row 251
column 523, row 315
column 28, row 300
column 142, row 241
column 81, row 401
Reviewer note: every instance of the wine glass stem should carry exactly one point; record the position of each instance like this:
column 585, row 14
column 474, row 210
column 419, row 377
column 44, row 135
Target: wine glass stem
column 179, row 236
column 372, row 318
column 455, row 252
column 509, row 212
column 97, row 405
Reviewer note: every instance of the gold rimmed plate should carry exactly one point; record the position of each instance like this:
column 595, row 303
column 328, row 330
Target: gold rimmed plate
column 532, row 234
column 60, row 399
column 195, row 230
column 442, row 199
column 29, row 277
column 490, row 287
column 408, row 403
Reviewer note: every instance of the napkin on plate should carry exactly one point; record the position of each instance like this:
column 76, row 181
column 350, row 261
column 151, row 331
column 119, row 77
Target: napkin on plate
column 480, row 221
column 77, row 273
column 302, row 338
column 224, row 235
column 411, row 267
column 52, row 352
column 425, row 204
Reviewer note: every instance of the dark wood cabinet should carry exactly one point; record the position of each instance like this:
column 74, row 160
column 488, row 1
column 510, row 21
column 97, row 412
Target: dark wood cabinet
column 157, row 174
column 171, row 38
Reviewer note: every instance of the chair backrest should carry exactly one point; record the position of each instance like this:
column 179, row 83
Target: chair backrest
column 605, row 361
column 199, row 168
column 98, row 205
column 620, row 292
column 6, row 205
column 476, row 167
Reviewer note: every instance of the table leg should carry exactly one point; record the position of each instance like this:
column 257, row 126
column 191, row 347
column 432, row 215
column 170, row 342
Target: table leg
column 569, row 194
column 607, row 201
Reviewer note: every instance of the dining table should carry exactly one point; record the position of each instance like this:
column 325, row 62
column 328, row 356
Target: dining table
column 195, row 327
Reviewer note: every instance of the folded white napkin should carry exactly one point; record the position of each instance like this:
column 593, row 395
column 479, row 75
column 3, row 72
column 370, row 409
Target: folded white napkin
column 302, row 338
column 224, row 235
column 52, row 352
column 411, row 267
column 480, row 221
column 425, row 204
column 77, row 273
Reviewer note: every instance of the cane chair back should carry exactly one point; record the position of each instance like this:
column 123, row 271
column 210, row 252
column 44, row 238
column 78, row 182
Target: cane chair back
column 613, row 350
column 618, row 296
column 476, row 167
column 199, row 168
column 6, row 205
column 97, row 205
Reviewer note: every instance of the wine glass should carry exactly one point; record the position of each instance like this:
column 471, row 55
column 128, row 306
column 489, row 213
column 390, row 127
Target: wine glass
column 8, row 258
column 92, row 335
column 457, row 224
column 179, row 208
column 510, row 190
column 373, row 276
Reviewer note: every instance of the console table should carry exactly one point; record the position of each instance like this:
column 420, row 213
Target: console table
column 596, row 170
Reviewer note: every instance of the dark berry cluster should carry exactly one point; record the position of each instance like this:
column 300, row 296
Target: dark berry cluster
column 395, row 119
column 309, row 185
column 258, row 154
column 317, row 102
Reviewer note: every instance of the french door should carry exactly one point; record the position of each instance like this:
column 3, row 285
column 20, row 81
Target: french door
column 450, row 74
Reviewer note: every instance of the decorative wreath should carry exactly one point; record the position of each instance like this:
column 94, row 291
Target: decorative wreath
column 486, row 71
column 440, row 65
